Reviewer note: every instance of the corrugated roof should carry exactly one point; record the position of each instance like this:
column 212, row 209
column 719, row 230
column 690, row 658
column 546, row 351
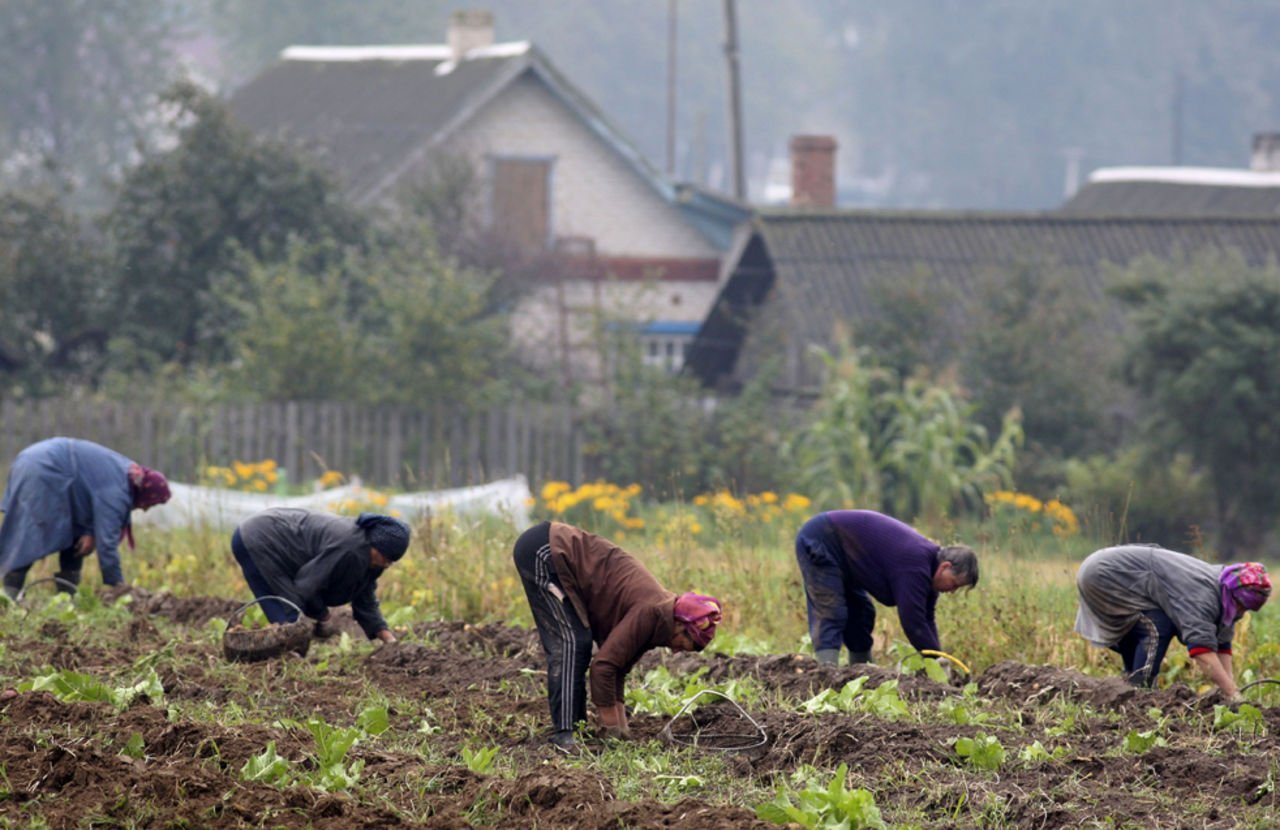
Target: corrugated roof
column 365, row 117
column 821, row 265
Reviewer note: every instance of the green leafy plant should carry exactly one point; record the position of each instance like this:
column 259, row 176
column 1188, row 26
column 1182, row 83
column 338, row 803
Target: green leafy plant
column 268, row 767
column 1035, row 753
column 883, row 701
column 829, row 807
column 1247, row 718
column 373, row 720
column 982, row 751
column 73, row 686
column 1138, row 742
column 479, row 760
column 134, row 747
column 958, row 713
column 912, row 661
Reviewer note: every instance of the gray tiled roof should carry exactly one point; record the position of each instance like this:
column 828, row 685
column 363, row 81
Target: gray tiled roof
column 1154, row 198
column 366, row 117
column 815, row 268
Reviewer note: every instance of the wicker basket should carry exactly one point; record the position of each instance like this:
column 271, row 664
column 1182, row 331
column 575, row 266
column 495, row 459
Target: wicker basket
column 251, row 645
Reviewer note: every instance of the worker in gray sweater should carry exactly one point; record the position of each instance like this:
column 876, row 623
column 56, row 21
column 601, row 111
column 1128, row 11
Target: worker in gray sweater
column 1134, row 599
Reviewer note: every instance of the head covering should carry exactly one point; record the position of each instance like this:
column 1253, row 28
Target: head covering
column 1245, row 587
column 148, row 487
column 386, row 533
column 700, row 615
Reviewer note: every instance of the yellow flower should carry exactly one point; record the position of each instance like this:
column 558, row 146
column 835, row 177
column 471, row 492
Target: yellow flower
column 795, row 502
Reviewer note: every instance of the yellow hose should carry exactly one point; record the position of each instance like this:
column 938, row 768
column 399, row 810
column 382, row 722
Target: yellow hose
column 928, row 652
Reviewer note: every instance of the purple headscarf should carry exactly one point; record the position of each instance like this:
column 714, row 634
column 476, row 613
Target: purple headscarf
column 149, row 487
column 1245, row 587
column 700, row 615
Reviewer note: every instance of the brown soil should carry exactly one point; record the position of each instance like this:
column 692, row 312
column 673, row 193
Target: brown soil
column 63, row 762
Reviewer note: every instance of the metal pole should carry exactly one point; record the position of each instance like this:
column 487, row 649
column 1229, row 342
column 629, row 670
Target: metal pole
column 672, row 7
column 735, row 100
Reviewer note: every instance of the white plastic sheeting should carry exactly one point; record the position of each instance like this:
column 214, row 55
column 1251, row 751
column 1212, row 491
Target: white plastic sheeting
column 190, row 505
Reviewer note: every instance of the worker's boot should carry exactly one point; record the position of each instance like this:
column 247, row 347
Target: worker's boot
column 67, row 581
column 828, row 656
column 13, row 584
column 859, row 657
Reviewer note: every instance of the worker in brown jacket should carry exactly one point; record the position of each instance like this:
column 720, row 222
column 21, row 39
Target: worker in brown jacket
column 583, row 588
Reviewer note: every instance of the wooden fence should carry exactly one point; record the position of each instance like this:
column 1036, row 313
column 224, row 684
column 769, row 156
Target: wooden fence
column 385, row 446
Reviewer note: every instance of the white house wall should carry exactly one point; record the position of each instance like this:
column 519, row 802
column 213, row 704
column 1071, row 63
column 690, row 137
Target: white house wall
column 594, row 192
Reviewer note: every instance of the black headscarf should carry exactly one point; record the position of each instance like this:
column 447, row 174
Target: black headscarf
column 386, row 533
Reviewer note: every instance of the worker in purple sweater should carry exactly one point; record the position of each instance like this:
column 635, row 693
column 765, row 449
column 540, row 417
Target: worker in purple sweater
column 849, row 556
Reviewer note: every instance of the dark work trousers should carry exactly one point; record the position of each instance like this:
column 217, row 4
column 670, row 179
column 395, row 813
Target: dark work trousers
column 275, row 612
column 566, row 641
column 69, row 563
column 840, row 612
column 1144, row 647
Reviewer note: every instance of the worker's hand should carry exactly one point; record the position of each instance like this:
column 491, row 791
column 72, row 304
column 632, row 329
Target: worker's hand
column 386, row 636
column 85, row 545
column 613, row 720
column 324, row 629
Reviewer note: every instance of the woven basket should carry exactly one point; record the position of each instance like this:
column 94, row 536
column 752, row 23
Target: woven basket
column 251, row 645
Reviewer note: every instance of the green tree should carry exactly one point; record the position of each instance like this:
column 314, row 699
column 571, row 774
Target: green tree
column 911, row 327
column 1035, row 340
column 53, row 312
column 1206, row 332
column 185, row 215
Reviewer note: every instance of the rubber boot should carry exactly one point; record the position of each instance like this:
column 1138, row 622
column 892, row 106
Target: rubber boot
column 859, row 657
column 13, row 583
column 828, row 656
column 67, row 581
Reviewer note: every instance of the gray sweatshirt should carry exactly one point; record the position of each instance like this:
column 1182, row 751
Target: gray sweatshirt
column 1117, row 584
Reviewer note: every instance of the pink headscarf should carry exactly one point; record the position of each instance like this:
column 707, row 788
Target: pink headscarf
column 700, row 615
column 1245, row 585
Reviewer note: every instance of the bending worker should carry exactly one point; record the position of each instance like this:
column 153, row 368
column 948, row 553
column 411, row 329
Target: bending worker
column 319, row 561
column 846, row 557
column 1134, row 599
column 73, row 497
column 581, row 588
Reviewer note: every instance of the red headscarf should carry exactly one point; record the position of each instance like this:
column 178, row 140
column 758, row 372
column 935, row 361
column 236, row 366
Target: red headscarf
column 149, row 487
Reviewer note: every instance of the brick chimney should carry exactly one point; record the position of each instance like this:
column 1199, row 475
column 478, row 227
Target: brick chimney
column 469, row 29
column 813, row 171
column 1266, row 152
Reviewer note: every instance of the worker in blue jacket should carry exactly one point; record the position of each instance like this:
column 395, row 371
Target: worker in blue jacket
column 72, row 497
column 848, row 557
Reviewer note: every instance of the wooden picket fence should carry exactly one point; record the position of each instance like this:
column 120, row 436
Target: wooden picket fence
column 385, row 446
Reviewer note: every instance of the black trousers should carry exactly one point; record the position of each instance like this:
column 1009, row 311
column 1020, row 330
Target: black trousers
column 69, row 563
column 566, row 641
column 1144, row 647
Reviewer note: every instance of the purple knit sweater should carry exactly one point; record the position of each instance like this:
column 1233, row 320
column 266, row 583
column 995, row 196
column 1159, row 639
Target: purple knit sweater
column 893, row 563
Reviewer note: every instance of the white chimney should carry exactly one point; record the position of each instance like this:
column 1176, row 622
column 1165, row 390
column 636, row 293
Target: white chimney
column 469, row 29
column 1266, row 152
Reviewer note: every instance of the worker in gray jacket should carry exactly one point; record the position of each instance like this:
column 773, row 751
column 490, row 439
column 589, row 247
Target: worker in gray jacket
column 318, row 561
column 1134, row 599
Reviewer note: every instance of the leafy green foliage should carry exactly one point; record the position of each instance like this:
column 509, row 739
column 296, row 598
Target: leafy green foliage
column 332, row 743
column 1035, row 753
column 268, row 767
column 982, row 751
column 907, row 447
column 74, row 686
column 662, row 693
column 1206, row 331
column 830, row 807
column 373, row 720
column 1140, row 741
column 135, row 747
column 883, row 701
column 1245, row 718
column 480, row 759
column 185, row 217
column 911, row 660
